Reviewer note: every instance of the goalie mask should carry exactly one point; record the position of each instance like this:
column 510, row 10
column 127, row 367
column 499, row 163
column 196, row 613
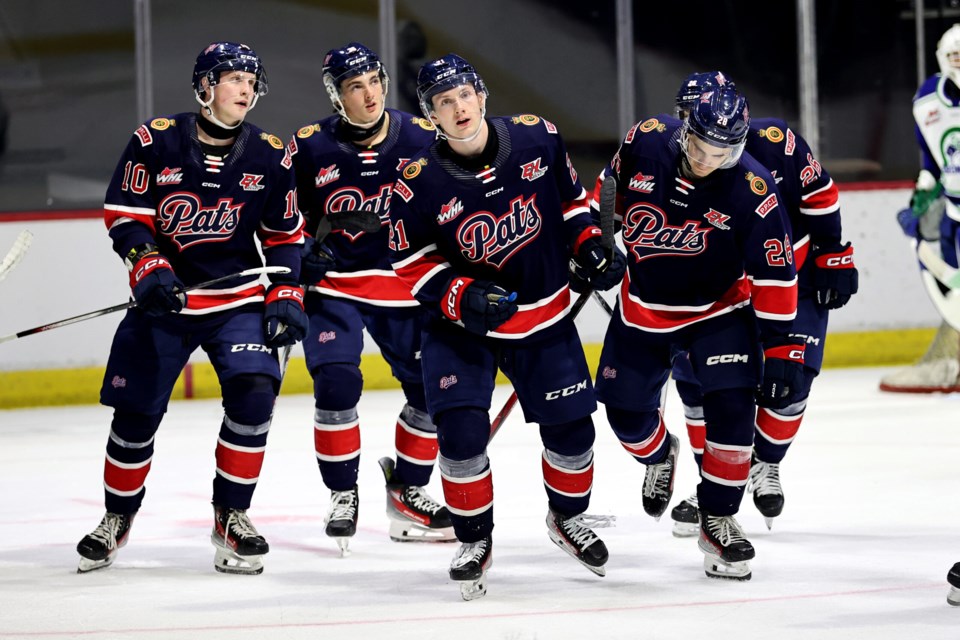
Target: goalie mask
column 948, row 54
column 346, row 62
column 447, row 73
column 220, row 57
column 719, row 121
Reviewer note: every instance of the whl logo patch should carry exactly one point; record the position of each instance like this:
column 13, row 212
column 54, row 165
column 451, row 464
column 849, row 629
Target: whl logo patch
column 641, row 183
column 450, row 211
column 327, row 175
column 170, row 176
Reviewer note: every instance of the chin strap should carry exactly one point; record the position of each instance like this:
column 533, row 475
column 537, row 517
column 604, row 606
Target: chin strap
column 208, row 112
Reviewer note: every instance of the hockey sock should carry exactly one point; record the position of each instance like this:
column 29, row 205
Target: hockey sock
column 642, row 433
column 248, row 402
column 416, row 442
column 336, row 424
column 462, row 436
column 727, row 450
column 128, row 458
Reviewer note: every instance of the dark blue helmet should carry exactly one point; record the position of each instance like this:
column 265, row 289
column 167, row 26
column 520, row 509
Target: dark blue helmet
column 228, row 56
column 445, row 73
column 721, row 118
column 351, row 60
column 695, row 84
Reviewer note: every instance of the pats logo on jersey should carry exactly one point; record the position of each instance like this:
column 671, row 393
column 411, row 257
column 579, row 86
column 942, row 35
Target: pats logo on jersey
column 182, row 218
column 717, row 219
column 642, row 183
column 448, row 381
column 326, row 176
column 532, row 170
column 450, row 211
column 647, row 234
column 490, row 239
column 351, row 198
column 326, row 336
column 251, row 182
column 170, row 176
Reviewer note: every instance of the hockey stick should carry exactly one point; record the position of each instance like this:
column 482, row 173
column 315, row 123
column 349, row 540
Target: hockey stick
column 607, row 206
column 16, row 253
column 511, row 402
column 132, row 303
column 937, row 267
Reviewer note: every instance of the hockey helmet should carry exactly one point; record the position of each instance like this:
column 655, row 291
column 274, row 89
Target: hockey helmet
column 443, row 74
column 948, row 54
column 720, row 118
column 219, row 57
column 348, row 61
column 695, row 84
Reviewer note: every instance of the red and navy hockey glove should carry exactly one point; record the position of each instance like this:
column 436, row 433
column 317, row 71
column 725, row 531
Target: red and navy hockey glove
column 316, row 258
column 478, row 305
column 285, row 321
column 836, row 278
column 155, row 286
column 591, row 266
column 783, row 377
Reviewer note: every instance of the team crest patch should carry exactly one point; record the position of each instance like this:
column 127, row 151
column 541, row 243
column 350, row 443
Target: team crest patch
column 717, row 219
column 757, row 184
column 251, row 182
column 413, row 169
column 309, row 130
column 532, row 170
column 773, row 134
column 423, row 123
column 652, row 124
column 326, row 336
column 527, row 119
column 160, row 124
column 448, row 381
column 272, row 140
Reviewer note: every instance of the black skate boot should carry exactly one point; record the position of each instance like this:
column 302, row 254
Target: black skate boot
column 953, row 577
column 658, row 482
column 726, row 551
column 342, row 516
column 469, row 567
column 764, row 484
column 414, row 515
column 98, row 548
column 686, row 518
column 240, row 549
column 573, row 535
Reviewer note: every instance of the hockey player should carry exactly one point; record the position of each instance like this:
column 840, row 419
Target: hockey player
column 191, row 196
column 483, row 224
column 827, row 278
column 710, row 262
column 933, row 216
column 349, row 161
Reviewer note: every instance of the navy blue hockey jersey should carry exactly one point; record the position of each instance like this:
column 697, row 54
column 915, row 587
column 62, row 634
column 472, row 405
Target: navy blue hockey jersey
column 206, row 219
column 512, row 223
column 333, row 175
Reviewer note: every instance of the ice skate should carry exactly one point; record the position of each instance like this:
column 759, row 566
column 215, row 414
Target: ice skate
column 240, row 549
column 726, row 551
column 953, row 577
column 575, row 536
column 98, row 548
column 658, row 482
column 764, row 484
column 341, row 520
column 414, row 515
column 938, row 371
column 469, row 567
column 686, row 518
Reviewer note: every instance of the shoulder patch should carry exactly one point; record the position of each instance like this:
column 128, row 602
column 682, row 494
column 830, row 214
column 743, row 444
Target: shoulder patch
column 528, row 119
column 773, row 134
column 412, row 170
column 307, row 131
column 757, row 184
column 423, row 123
column 551, row 128
column 161, row 123
column 272, row 140
column 401, row 189
column 652, row 125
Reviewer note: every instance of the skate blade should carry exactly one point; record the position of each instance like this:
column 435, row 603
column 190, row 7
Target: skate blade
column 227, row 561
column 685, row 529
column 600, row 571
column 473, row 589
column 953, row 598
column 769, row 523
column 720, row 570
column 406, row 531
column 86, row 565
column 343, row 543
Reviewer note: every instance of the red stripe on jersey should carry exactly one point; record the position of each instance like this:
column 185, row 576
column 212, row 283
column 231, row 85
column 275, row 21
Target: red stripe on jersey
column 573, row 205
column 778, row 429
column 416, row 445
column 664, row 319
column 568, row 482
column 592, row 231
column 336, row 442
column 203, row 301
column 800, row 250
column 468, row 496
column 372, row 287
column 415, row 271
column 774, row 300
column 531, row 318
column 272, row 238
column 239, row 463
column 124, row 480
column 697, row 432
column 826, row 200
column 110, row 218
column 649, row 446
column 732, row 465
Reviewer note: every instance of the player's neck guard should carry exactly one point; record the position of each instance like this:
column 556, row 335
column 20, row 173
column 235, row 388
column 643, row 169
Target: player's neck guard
column 214, row 128
column 349, row 132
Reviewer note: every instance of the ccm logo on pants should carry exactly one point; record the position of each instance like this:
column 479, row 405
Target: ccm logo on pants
column 728, row 358
column 566, row 391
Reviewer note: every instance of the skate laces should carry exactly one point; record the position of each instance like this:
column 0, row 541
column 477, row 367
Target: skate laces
column 238, row 525
column 470, row 552
column 725, row 529
column 419, row 499
column 343, row 505
column 580, row 528
column 693, row 501
column 106, row 532
column 657, row 480
column 764, row 479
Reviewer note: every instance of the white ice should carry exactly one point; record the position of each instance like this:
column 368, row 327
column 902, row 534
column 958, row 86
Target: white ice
column 861, row 550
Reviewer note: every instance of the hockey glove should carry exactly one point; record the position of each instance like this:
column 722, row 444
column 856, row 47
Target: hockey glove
column 836, row 278
column 592, row 265
column 926, row 192
column 316, row 258
column 783, row 379
column 285, row 321
column 478, row 305
column 155, row 286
